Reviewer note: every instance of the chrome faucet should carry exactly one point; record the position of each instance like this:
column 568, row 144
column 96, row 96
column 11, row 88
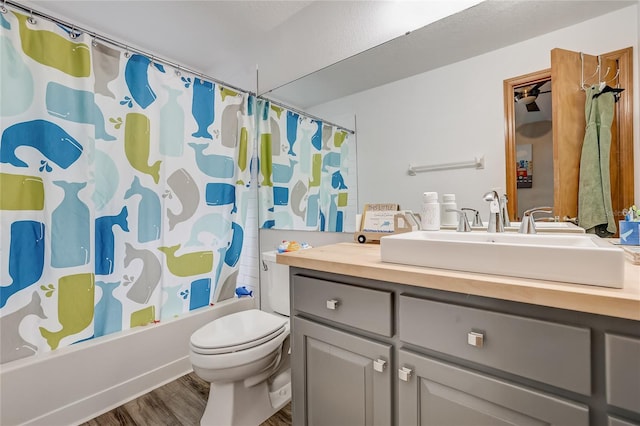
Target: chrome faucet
column 528, row 225
column 477, row 220
column 495, row 214
column 463, row 222
column 504, row 200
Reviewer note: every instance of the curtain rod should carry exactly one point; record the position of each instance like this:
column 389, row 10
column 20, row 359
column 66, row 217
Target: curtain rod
column 156, row 59
column 306, row 114
column 179, row 68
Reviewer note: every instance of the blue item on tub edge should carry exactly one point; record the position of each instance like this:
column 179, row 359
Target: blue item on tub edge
column 242, row 291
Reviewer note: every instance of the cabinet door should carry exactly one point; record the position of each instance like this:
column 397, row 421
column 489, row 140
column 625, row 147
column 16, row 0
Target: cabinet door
column 339, row 378
column 622, row 363
column 438, row 393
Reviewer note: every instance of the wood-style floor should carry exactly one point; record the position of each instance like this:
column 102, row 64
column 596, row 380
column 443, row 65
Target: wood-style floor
column 179, row 403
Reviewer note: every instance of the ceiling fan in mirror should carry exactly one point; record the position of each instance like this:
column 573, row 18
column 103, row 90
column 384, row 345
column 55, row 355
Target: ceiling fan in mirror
column 527, row 95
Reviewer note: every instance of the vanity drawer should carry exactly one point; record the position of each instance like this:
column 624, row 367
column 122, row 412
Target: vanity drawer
column 556, row 354
column 358, row 307
column 622, row 360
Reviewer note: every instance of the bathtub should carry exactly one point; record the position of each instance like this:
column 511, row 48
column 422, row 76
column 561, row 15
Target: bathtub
column 79, row 382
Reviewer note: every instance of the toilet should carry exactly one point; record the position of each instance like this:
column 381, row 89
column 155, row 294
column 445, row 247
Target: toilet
column 245, row 356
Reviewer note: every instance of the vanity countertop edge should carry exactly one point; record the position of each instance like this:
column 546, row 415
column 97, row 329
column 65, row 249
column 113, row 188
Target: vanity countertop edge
column 363, row 261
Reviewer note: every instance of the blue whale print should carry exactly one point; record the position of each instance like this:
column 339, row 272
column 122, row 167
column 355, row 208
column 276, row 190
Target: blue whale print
column 137, row 78
column 220, row 194
column 331, row 159
column 213, row 223
column 16, row 84
column 337, row 181
column 202, row 107
column 214, row 165
column 200, row 293
column 292, row 130
column 316, row 139
column 105, row 240
column 269, row 224
column 48, row 138
column 235, row 248
column 26, row 257
column 106, row 179
column 5, row 24
column 149, row 211
column 70, row 228
column 76, row 105
column 282, row 173
column 313, row 209
column 108, row 311
column 280, row 195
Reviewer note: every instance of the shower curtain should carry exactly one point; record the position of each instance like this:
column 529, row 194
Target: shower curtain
column 124, row 188
column 307, row 175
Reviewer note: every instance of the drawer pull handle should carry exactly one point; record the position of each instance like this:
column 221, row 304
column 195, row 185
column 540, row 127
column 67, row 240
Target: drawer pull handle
column 404, row 374
column 475, row 339
column 379, row 365
column 332, row 304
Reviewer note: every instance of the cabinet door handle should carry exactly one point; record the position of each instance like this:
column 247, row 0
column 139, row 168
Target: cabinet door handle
column 332, row 304
column 379, row 365
column 404, row 374
column 475, row 339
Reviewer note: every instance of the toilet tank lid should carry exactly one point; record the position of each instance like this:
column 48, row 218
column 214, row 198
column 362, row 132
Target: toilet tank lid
column 236, row 329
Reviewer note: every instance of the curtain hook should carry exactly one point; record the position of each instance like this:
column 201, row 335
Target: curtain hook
column 178, row 72
column 126, row 52
column 3, row 7
column 31, row 19
column 72, row 33
column 94, row 41
column 153, row 62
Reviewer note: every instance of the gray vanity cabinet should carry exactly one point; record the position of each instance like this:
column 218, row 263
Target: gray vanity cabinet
column 622, row 360
column 344, row 378
column 436, row 393
column 367, row 352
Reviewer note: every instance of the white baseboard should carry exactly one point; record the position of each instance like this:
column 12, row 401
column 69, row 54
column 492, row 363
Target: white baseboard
column 77, row 383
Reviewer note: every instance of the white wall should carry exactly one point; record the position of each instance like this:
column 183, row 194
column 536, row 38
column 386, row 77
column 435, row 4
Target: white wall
column 456, row 113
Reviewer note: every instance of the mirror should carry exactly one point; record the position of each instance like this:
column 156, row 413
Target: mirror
column 529, row 142
column 435, row 95
column 567, row 101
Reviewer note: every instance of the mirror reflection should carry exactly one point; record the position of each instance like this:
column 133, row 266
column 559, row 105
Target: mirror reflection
column 449, row 106
column 534, row 146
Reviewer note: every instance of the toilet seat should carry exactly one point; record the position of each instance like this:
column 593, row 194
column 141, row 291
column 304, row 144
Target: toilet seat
column 237, row 332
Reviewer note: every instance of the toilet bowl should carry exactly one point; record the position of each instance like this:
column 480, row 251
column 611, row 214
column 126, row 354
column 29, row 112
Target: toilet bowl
column 245, row 358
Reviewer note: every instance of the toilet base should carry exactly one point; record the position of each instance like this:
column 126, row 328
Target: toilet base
column 233, row 404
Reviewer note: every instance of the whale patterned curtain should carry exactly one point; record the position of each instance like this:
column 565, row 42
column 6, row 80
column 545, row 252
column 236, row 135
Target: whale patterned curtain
column 124, row 188
column 307, row 176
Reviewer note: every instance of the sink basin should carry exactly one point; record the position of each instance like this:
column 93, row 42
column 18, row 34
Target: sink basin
column 564, row 227
column 541, row 227
column 580, row 259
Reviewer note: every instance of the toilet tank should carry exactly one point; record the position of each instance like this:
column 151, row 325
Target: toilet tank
column 276, row 283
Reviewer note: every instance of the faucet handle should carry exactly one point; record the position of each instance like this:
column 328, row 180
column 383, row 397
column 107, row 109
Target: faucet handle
column 504, row 200
column 463, row 222
column 528, row 225
column 477, row 220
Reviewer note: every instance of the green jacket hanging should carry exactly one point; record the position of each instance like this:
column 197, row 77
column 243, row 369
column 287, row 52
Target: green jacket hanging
column 595, row 212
